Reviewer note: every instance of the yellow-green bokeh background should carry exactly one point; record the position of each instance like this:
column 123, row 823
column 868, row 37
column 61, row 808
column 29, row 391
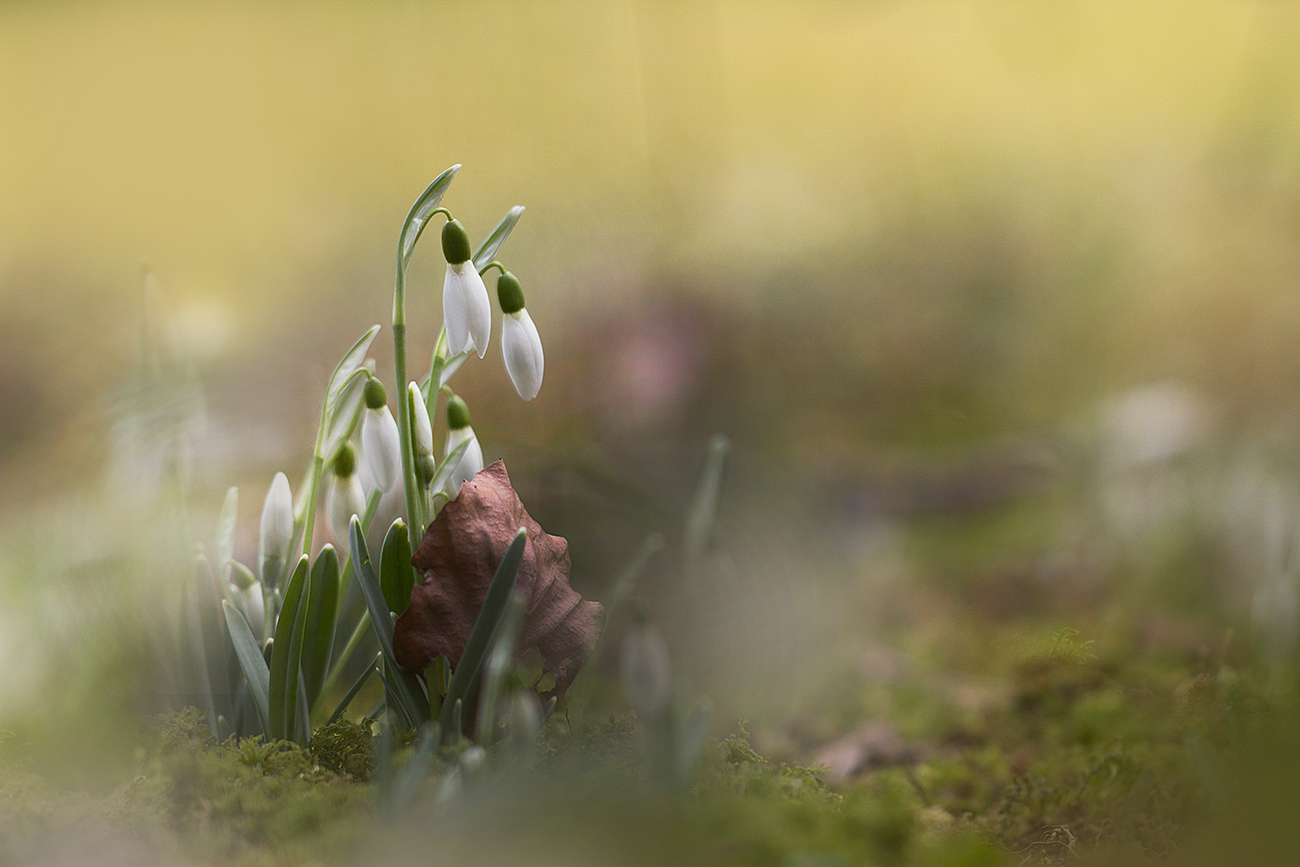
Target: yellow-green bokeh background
column 892, row 225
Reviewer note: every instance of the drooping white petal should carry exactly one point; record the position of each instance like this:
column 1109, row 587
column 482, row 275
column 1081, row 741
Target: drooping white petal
column 471, row 462
column 381, row 448
column 254, row 605
column 522, row 349
column 277, row 523
column 465, row 309
column 343, row 499
column 423, row 427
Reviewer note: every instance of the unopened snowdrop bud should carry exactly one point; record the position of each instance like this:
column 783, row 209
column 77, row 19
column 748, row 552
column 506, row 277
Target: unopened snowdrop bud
column 423, row 428
column 459, row 431
column 276, row 529
column 344, row 497
column 644, row 670
column 520, row 344
column 380, row 444
column 465, row 308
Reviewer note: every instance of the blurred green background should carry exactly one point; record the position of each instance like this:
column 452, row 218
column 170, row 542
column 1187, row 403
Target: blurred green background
column 941, row 271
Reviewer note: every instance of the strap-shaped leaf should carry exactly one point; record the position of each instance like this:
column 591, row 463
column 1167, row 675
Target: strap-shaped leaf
column 466, row 676
column 443, row 474
column 396, row 574
column 702, row 514
column 343, row 415
column 322, row 611
column 350, row 361
column 286, row 656
column 411, row 700
column 256, row 674
column 418, row 217
column 498, row 237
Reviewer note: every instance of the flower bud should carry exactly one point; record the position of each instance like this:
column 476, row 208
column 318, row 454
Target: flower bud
column 423, row 427
column 276, row 529
column 455, row 242
column 522, row 349
column 374, row 393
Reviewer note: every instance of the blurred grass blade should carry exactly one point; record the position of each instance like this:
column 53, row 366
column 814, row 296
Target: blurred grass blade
column 250, row 658
column 500, row 660
column 407, row 783
column 498, row 237
column 691, row 741
column 322, row 610
column 350, row 361
column 283, row 690
column 702, row 514
column 418, row 217
column 226, row 533
column 411, row 700
column 198, row 596
column 396, row 574
column 356, row 688
column 470, row 666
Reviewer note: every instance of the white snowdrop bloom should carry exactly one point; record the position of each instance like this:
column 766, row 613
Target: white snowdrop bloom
column 254, row 605
column 381, row 448
column 465, row 308
column 344, row 497
column 276, row 529
column 459, row 431
column 520, row 345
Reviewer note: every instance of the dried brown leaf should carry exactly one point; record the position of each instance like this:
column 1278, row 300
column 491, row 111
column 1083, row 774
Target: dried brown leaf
column 458, row 557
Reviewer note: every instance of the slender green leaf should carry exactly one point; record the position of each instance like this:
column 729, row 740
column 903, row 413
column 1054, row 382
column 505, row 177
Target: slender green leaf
column 350, row 361
column 286, row 656
column 418, row 217
column 396, row 574
column 344, row 415
column 322, row 611
column 470, row 666
column 498, row 237
column 250, row 658
column 405, row 693
column 356, row 688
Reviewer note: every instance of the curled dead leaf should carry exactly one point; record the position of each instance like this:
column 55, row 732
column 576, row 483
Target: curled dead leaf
column 457, row 558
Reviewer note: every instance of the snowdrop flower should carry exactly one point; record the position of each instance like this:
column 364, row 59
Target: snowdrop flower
column 276, row 530
column 465, row 308
column 344, row 497
column 251, row 599
column 381, row 448
column 459, row 431
column 520, row 344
